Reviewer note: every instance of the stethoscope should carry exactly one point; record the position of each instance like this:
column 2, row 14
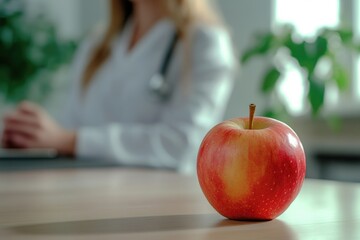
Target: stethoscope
column 158, row 84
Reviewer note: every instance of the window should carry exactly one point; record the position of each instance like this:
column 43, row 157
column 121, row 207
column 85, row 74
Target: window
column 304, row 16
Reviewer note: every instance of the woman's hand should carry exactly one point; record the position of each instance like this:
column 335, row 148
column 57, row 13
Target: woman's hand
column 29, row 126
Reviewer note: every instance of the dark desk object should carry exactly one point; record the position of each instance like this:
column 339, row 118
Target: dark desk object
column 120, row 203
column 338, row 166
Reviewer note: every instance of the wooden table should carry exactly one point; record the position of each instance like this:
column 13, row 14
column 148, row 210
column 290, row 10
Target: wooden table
column 117, row 203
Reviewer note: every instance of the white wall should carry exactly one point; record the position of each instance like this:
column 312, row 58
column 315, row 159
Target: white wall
column 244, row 18
column 73, row 17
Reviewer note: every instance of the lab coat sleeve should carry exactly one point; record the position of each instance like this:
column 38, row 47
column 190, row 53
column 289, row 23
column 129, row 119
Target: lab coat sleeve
column 194, row 108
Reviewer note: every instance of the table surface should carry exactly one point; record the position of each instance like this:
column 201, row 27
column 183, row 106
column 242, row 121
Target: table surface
column 7, row 165
column 120, row 203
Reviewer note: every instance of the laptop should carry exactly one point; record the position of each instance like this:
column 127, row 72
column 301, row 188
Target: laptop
column 33, row 153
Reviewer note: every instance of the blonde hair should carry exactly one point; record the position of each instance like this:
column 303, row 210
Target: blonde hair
column 184, row 14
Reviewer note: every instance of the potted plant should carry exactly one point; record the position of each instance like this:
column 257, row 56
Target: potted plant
column 307, row 54
column 30, row 52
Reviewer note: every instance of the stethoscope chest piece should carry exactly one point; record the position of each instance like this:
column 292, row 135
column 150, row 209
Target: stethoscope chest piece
column 158, row 83
column 159, row 86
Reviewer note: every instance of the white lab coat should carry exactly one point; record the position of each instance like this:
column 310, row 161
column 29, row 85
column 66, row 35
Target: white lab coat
column 118, row 118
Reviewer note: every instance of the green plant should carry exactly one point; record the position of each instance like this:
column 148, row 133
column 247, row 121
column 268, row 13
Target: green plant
column 309, row 54
column 30, row 52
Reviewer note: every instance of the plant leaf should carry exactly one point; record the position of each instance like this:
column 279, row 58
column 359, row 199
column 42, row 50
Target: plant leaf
column 340, row 77
column 270, row 79
column 28, row 46
column 263, row 44
column 297, row 50
column 308, row 53
column 316, row 94
column 321, row 47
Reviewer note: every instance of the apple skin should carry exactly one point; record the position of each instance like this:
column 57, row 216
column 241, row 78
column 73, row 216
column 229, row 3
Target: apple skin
column 251, row 174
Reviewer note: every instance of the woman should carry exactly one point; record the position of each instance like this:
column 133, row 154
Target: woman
column 116, row 111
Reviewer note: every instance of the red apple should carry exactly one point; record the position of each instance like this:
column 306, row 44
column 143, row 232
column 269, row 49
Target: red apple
column 251, row 168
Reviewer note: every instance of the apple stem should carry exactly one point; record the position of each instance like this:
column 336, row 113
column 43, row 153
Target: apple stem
column 252, row 108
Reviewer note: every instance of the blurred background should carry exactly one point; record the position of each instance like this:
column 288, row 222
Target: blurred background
column 299, row 63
